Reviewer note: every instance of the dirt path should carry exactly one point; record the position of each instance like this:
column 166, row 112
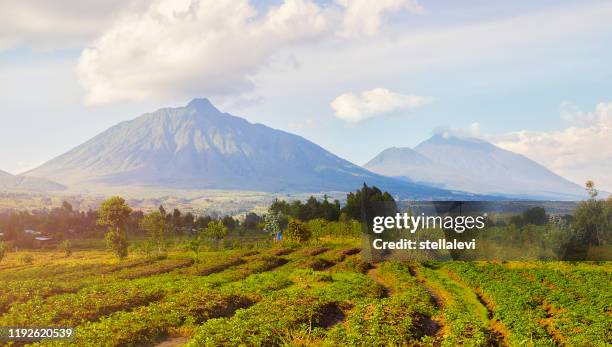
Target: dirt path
column 483, row 304
column 436, row 297
column 373, row 273
column 428, row 325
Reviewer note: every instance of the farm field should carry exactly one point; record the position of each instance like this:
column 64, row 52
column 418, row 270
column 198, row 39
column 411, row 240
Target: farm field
column 317, row 293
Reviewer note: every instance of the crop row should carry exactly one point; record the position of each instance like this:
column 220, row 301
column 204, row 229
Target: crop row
column 401, row 318
column 185, row 308
column 297, row 314
column 578, row 303
column 465, row 319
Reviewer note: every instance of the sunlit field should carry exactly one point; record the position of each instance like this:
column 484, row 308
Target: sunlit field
column 313, row 293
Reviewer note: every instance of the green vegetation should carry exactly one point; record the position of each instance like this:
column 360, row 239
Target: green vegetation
column 315, row 292
column 312, row 288
column 297, row 231
column 157, row 227
column 216, row 231
column 114, row 213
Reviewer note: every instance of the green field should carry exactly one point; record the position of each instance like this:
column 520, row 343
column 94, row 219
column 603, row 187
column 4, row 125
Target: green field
column 319, row 293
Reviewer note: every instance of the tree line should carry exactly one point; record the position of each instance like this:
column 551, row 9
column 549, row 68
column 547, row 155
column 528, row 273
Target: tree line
column 591, row 223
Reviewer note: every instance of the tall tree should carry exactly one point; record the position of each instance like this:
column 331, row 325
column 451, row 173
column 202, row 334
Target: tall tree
column 592, row 220
column 216, row 231
column 113, row 214
column 251, row 220
column 157, row 227
column 369, row 202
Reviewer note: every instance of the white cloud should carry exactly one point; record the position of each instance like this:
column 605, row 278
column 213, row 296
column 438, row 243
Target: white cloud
column 473, row 130
column 363, row 17
column 206, row 47
column 577, row 152
column 212, row 47
column 374, row 103
column 58, row 23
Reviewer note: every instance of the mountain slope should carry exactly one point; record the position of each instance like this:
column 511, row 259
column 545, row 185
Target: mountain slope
column 473, row 165
column 197, row 146
column 12, row 182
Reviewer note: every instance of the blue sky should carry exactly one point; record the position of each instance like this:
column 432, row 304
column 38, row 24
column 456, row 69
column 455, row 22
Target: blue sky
column 528, row 73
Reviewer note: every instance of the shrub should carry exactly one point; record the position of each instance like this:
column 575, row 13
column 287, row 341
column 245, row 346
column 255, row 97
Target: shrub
column 297, row 231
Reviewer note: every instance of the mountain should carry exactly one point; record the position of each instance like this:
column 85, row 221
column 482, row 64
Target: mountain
column 473, row 165
column 199, row 147
column 12, row 182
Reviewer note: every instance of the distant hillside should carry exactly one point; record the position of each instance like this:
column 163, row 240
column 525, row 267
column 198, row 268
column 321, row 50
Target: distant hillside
column 12, row 182
column 473, row 165
column 198, row 147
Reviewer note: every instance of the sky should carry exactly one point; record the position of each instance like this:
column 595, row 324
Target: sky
column 354, row 76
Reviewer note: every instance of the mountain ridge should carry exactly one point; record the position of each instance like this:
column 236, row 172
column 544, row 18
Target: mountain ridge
column 477, row 166
column 12, row 182
column 198, row 146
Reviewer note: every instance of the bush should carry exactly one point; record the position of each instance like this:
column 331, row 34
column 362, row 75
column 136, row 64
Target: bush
column 297, row 231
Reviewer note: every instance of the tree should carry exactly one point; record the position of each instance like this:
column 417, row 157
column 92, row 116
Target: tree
column 535, row 216
column 188, row 220
column 113, row 214
column 297, row 231
column 311, row 209
column 590, row 188
column 592, row 220
column 66, row 247
column 216, row 231
column 230, row 222
column 194, row 246
column 177, row 220
column 271, row 223
column 251, row 220
column 369, row 202
column 157, row 227
column 66, row 206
